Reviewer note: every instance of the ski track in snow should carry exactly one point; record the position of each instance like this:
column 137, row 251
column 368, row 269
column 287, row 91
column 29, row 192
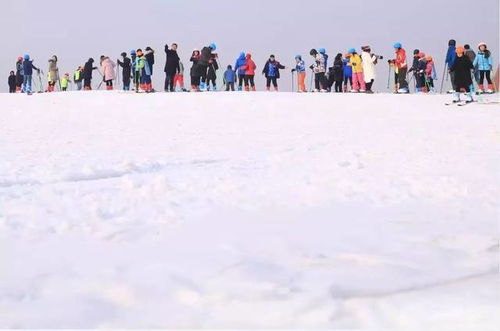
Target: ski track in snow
column 227, row 210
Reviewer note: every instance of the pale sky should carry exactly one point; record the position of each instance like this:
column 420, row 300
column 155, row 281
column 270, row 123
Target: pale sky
column 75, row 30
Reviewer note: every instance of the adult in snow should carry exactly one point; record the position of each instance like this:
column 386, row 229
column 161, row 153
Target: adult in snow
column 358, row 80
column 172, row 67
column 238, row 67
column 338, row 72
column 213, row 66
column 472, row 56
column 318, row 68
column 462, row 78
column 451, row 55
column 271, row 71
column 204, row 61
column 19, row 74
column 249, row 68
column 108, row 72
column 402, row 68
column 28, row 73
column 53, row 74
column 87, row 74
column 369, row 60
column 195, row 71
column 484, row 63
column 126, row 64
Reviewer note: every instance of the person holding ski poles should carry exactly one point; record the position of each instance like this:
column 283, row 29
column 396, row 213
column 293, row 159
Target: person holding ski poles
column 300, row 68
column 28, row 73
column 402, row 68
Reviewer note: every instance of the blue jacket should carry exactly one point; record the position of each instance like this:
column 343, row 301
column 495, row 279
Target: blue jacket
column 482, row 62
column 451, row 55
column 230, row 76
column 300, row 67
column 241, row 61
column 28, row 67
column 325, row 56
column 347, row 69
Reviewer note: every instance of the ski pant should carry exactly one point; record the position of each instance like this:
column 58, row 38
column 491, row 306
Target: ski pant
column 126, row 81
column 420, row 80
column 338, row 86
column 12, row 89
column 78, row 85
column 64, row 89
column 403, row 83
column 146, row 79
column 27, row 83
column 369, row 84
column 452, row 80
column 301, row 78
column 86, row 84
column 272, row 80
column 169, row 83
column 430, row 83
column 459, row 88
column 230, row 86
column 195, row 81
column 347, row 79
column 482, row 74
column 212, row 81
column 249, row 80
column 320, row 81
column 179, row 81
column 241, row 79
column 358, row 81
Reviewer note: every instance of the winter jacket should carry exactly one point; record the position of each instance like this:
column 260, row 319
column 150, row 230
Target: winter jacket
column 12, row 81
column 338, row 70
column 28, row 67
column 126, row 65
column 194, row 68
column 78, row 76
column 172, row 63
column 482, row 62
column 64, row 82
column 229, row 76
column 300, row 67
column 87, row 69
column 470, row 54
column 368, row 64
column 142, row 65
column 347, row 69
column 451, row 55
column 108, row 69
column 19, row 72
column 357, row 66
column 205, row 56
column 421, row 66
column 462, row 68
column 240, row 62
column 249, row 66
column 414, row 65
column 150, row 57
column 213, row 66
column 319, row 64
column 401, row 59
column 430, row 70
column 53, row 74
column 272, row 69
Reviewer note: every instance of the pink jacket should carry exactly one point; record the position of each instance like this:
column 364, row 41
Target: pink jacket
column 108, row 69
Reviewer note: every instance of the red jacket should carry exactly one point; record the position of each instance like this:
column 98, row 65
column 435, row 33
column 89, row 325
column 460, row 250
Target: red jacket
column 249, row 66
column 401, row 59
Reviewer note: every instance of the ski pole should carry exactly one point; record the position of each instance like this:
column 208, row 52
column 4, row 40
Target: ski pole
column 389, row 78
column 311, row 83
column 444, row 76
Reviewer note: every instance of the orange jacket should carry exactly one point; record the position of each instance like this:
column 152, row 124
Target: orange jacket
column 249, row 66
column 401, row 59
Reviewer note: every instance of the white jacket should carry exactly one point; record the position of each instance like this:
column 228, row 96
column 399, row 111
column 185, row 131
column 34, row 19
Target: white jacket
column 368, row 66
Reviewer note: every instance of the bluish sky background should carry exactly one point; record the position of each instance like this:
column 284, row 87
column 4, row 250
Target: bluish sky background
column 77, row 30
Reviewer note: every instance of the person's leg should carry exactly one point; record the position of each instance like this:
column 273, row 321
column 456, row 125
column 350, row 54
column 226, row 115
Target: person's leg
column 355, row 87
column 232, row 86
column 452, row 79
column 302, row 81
column 361, row 80
column 28, row 84
column 274, row 80
column 481, row 80
column 252, row 82
column 403, row 84
column 317, row 87
column 268, row 83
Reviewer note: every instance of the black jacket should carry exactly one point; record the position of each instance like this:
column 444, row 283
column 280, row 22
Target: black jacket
column 12, row 81
column 213, row 66
column 87, row 69
column 206, row 55
column 278, row 66
column 462, row 69
column 126, row 65
column 338, row 70
column 172, row 64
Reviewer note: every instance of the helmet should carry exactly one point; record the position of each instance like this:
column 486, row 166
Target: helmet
column 452, row 42
column 213, row 46
column 397, row 45
column 19, row 58
column 351, row 51
column 313, row 52
column 421, row 55
column 460, row 49
column 322, row 51
column 298, row 57
column 416, row 51
column 132, row 52
column 26, row 56
column 481, row 44
column 123, row 54
column 428, row 58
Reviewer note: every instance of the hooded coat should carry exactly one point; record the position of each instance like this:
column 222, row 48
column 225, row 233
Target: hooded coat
column 88, row 68
column 108, row 69
column 462, row 67
column 53, row 69
column 249, row 66
column 240, row 62
column 368, row 64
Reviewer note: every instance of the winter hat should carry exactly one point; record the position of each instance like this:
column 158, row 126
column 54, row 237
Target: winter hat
column 460, row 49
column 452, row 42
column 313, row 52
column 149, row 48
column 366, row 48
column 123, row 54
column 132, row 52
column 428, row 58
column 397, row 45
column 322, row 51
column 213, row 46
column 482, row 44
column 351, row 51
column 298, row 57
column 196, row 50
column 26, row 56
column 467, row 46
column 19, row 58
column 416, row 51
column 421, row 55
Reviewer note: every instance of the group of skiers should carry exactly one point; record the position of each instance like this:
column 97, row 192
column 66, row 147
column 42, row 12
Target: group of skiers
column 349, row 72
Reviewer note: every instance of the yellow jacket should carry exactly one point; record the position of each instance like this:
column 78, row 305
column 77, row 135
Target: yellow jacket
column 355, row 61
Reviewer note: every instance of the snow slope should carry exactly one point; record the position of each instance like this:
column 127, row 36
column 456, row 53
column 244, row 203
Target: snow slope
column 248, row 210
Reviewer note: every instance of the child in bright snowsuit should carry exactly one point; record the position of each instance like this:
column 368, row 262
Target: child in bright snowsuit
column 229, row 78
column 249, row 68
column 53, row 74
column 358, row 80
column 213, row 66
column 12, row 82
column 28, row 73
column 78, row 78
column 19, row 74
column 451, row 55
column 484, row 63
column 319, row 70
column 272, row 72
column 347, row 72
column 179, row 78
column 430, row 72
column 238, row 67
column 420, row 76
column 338, row 72
column 65, row 82
column 108, row 72
column 300, row 68
column 401, row 67
column 143, row 70
column 461, row 68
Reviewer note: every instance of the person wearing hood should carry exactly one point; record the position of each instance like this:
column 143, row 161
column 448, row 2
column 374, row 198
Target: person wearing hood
column 19, row 74
column 451, row 55
column 240, row 62
column 126, row 65
column 206, row 55
column 172, row 67
column 87, row 74
column 28, row 73
column 369, row 61
column 484, row 63
column 461, row 68
column 249, row 68
column 53, row 74
column 272, row 72
column 149, row 55
column 213, row 66
column 108, row 72
column 338, row 72
column 12, row 82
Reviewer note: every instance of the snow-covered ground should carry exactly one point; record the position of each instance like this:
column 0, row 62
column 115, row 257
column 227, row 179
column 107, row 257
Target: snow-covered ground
column 248, row 210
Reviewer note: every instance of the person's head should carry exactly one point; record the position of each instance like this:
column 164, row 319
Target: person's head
column 139, row 52
column 19, row 59
column 196, row 52
column 149, row 49
column 482, row 47
column 452, row 42
column 229, row 67
column 397, row 46
column 421, row 55
column 467, row 47
column 102, row 58
column 213, row 46
column 248, row 56
column 66, row 74
column 12, row 73
column 460, row 50
column 428, row 58
column 347, row 55
column 271, row 57
column 415, row 52
column 91, row 60
column 132, row 52
column 26, row 57
column 54, row 58
column 298, row 58
column 313, row 52
column 123, row 54
column 174, row 47
column 338, row 56
column 366, row 49
column 322, row 51
column 351, row 51
column 79, row 68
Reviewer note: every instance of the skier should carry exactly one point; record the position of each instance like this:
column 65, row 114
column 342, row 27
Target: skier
column 87, row 74
column 78, row 78
column 414, row 66
column 143, row 71
column 358, row 80
column 19, row 74
column 204, row 61
column 240, row 62
column 249, row 68
column 65, row 82
column 322, row 51
column 402, row 68
column 195, row 74
column 108, row 72
column 338, row 72
column 53, row 74
column 179, row 78
column 462, row 74
column 172, row 67
column 451, row 55
column 347, row 72
column 369, row 61
column 318, row 68
column 484, row 63
column 28, row 73
column 126, row 65
column 271, row 71
column 430, row 72
column 12, row 82
column 229, row 78
column 300, row 68
column 420, row 75
column 149, row 54
column 213, row 66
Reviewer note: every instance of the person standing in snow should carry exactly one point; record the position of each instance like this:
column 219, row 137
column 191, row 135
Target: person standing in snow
column 172, row 67
column 401, row 66
column 88, row 68
column 108, row 72
column 240, row 62
column 179, row 78
column 338, row 72
column 249, row 68
column 369, row 61
column 358, row 80
column 78, row 78
column 271, row 71
column 322, row 51
column 143, row 71
column 126, row 65
column 347, row 72
column 19, row 74
column 484, row 63
column 472, row 56
column 195, row 72
column 65, row 82
column 149, row 55
column 229, row 78
column 451, row 55
column 28, row 73
column 461, row 69
column 12, row 82
column 300, row 68
column 203, row 62
column 430, row 72
column 213, row 66
column 318, row 68
column 53, row 74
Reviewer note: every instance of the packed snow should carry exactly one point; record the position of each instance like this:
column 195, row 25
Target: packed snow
column 248, row 210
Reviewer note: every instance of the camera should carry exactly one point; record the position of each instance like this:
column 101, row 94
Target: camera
column 379, row 57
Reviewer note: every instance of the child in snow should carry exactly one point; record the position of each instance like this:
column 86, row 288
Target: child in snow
column 347, row 72
column 419, row 72
column 318, row 68
column 19, row 74
column 28, row 73
column 249, row 68
column 143, row 71
column 300, row 68
column 461, row 69
column 430, row 72
column 272, row 72
column 213, row 66
column 88, row 68
column 484, row 64
column 238, row 67
column 179, row 78
column 472, row 56
column 12, row 82
column 65, row 82
column 358, row 80
column 78, row 78
column 53, row 74
column 229, row 78
column 108, row 72
column 338, row 72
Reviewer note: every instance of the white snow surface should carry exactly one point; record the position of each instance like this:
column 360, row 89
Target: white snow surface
column 256, row 210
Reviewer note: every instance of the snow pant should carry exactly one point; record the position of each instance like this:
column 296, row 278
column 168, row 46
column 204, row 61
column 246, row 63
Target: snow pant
column 230, row 86
column 403, row 83
column 459, row 88
column 195, row 81
column 369, row 84
column 301, row 78
column 420, row 80
column 430, row 83
column 452, row 80
column 78, row 85
column 482, row 74
column 86, row 84
column 272, row 80
column 179, row 81
column 211, row 80
column 347, row 79
column 64, row 89
column 241, row 79
column 338, row 86
column 169, row 83
column 27, row 83
column 126, row 81
column 146, row 79
column 12, row 89
column 320, row 82
column 249, row 81
column 19, row 80
column 358, row 81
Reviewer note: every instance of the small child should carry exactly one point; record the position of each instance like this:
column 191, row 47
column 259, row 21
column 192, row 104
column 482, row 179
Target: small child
column 430, row 71
column 12, row 82
column 420, row 75
column 213, row 66
column 229, row 78
column 65, row 82
column 78, row 78
column 462, row 77
column 300, row 68
column 179, row 78
column 347, row 72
